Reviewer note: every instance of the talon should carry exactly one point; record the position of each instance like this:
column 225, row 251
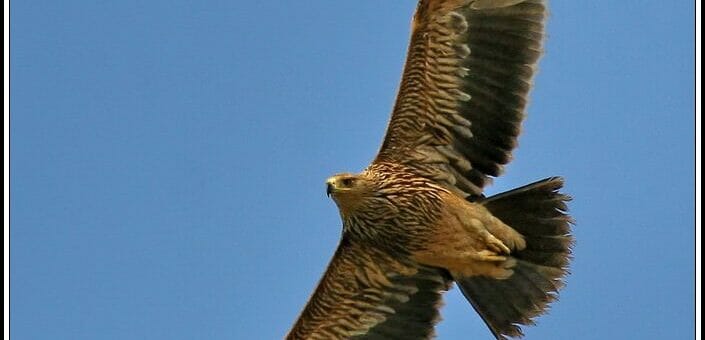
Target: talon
column 496, row 245
column 488, row 255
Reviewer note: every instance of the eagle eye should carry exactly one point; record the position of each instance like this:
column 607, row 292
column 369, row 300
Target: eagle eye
column 347, row 182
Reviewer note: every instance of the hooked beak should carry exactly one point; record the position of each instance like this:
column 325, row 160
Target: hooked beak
column 329, row 189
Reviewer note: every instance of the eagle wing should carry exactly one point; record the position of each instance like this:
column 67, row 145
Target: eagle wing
column 366, row 294
column 464, row 90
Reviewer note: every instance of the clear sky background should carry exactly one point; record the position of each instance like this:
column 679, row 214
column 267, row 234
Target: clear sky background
column 169, row 159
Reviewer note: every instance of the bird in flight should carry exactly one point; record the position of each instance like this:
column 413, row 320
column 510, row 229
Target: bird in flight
column 415, row 221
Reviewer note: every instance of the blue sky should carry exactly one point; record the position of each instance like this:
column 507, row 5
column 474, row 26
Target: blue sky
column 169, row 159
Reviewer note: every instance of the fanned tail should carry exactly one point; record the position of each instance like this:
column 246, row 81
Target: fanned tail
column 538, row 212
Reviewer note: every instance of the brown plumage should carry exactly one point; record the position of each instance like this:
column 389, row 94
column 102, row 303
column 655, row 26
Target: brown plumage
column 415, row 220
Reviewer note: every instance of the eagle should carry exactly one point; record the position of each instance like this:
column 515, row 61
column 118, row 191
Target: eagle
column 415, row 221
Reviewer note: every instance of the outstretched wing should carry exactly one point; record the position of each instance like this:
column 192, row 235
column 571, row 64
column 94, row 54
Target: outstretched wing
column 365, row 294
column 464, row 89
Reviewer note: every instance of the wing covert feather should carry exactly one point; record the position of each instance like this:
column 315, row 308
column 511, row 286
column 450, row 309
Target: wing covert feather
column 365, row 294
column 464, row 89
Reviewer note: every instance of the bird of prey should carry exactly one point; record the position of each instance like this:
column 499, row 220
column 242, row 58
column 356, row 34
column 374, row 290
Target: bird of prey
column 416, row 220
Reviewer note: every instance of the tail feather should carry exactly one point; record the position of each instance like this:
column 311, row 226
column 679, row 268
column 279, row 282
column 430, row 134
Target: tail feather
column 538, row 212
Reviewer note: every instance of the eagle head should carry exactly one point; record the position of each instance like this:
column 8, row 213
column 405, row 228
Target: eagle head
column 349, row 191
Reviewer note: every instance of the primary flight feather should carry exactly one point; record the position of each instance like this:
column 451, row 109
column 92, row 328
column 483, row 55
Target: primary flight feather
column 416, row 219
